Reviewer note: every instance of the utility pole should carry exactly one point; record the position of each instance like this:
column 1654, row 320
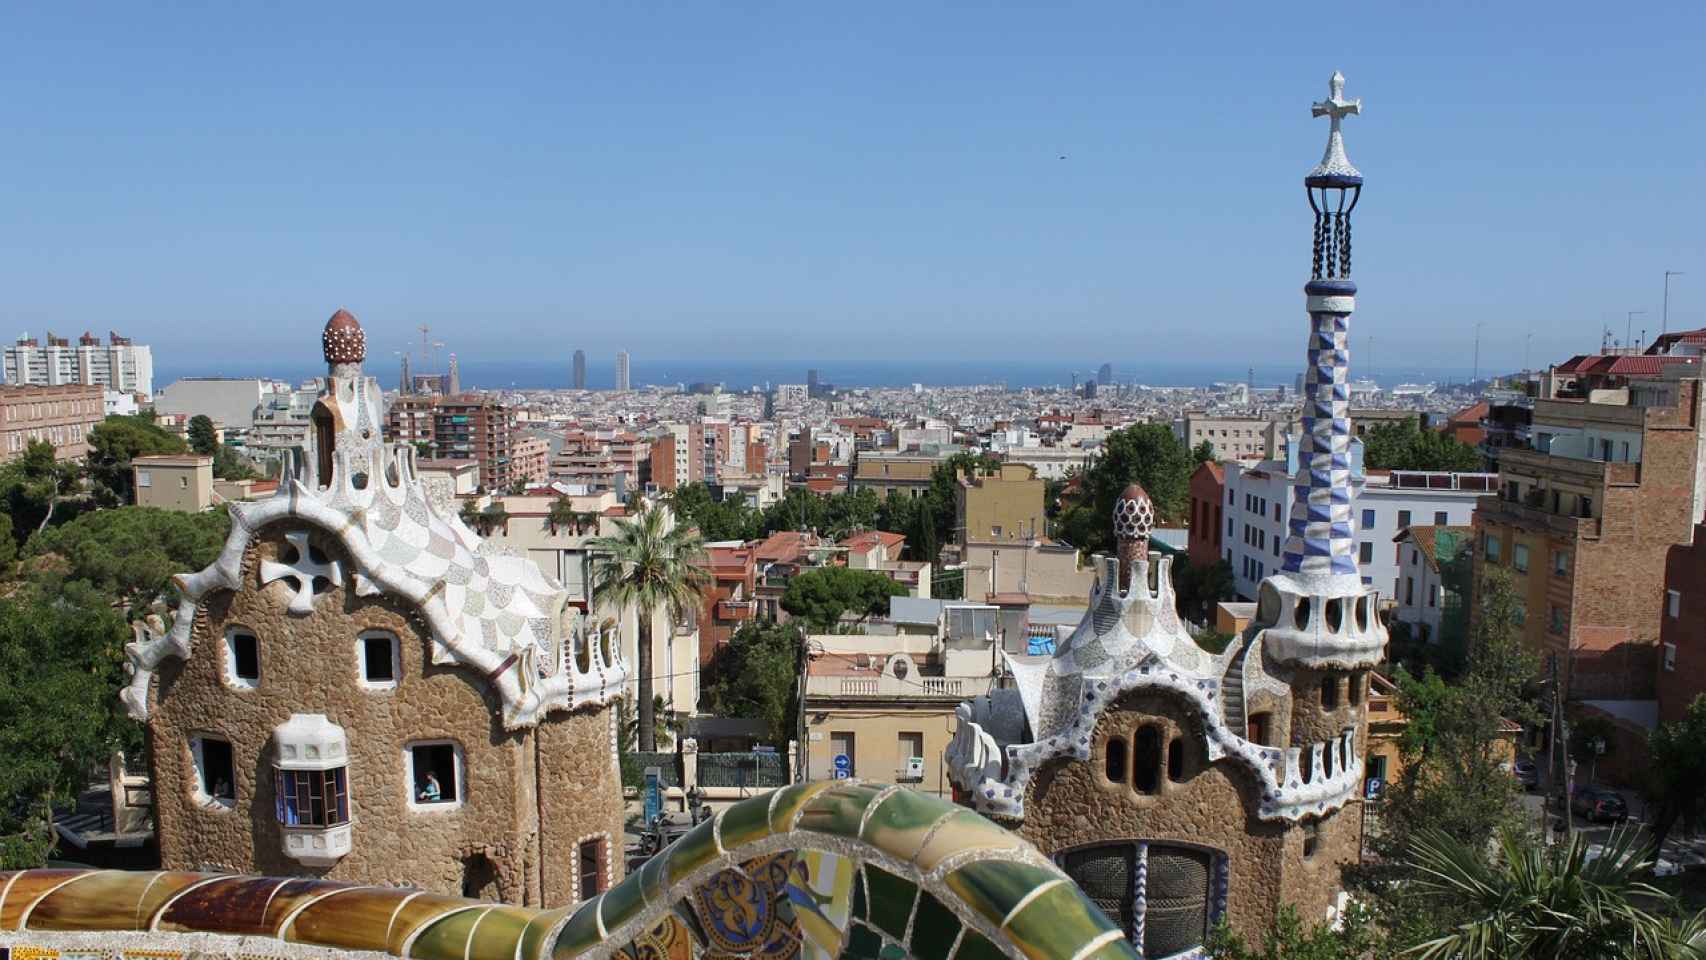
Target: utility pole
column 1668, row 274
column 1478, row 325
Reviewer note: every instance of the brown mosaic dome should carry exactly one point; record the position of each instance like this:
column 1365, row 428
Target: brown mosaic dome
column 1134, row 514
column 343, row 340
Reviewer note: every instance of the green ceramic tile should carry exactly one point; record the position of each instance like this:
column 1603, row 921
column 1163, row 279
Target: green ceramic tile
column 745, row 822
column 961, row 831
column 535, row 940
column 621, row 903
column 447, row 937
column 900, row 823
column 1116, row 949
column 580, row 934
column 838, row 810
column 934, row 930
column 789, row 800
column 995, row 887
column 1057, row 923
column 976, row 946
column 861, row 909
column 696, row 849
column 499, row 933
column 652, row 879
column 891, row 900
column 863, row 944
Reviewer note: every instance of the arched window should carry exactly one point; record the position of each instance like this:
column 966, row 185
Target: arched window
column 1146, row 759
column 1176, row 760
column 1330, row 692
column 1115, row 760
column 1261, row 728
column 1354, row 691
column 1306, row 764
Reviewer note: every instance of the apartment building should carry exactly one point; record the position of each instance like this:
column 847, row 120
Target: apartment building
column 1208, row 494
column 1422, row 594
column 462, row 427
column 1005, row 505
column 730, row 597
column 1258, row 511
column 60, row 415
column 530, row 460
column 907, row 474
column 231, row 400
column 117, row 365
column 1586, row 519
column 880, row 706
column 1234, row 438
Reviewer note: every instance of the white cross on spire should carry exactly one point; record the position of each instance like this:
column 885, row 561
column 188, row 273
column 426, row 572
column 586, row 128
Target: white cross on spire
column 1336, row 107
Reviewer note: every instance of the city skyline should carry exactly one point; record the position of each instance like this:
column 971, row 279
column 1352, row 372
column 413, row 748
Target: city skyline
column 831, row 206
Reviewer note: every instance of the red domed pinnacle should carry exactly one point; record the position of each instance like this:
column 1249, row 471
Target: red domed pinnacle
column 1134, row 514
column 343, row 340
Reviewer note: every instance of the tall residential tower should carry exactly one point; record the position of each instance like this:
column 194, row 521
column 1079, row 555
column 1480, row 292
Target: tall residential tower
column 580, row 370
column 622, row 370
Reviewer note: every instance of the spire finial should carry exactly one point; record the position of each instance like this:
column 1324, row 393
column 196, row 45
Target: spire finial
column 343, row 340
column 1334, row 163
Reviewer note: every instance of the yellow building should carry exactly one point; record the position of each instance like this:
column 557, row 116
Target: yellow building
column 181, row 482
column 1006, row 505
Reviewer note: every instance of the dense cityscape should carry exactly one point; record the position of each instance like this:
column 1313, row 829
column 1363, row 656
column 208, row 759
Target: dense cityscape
column 389, row 661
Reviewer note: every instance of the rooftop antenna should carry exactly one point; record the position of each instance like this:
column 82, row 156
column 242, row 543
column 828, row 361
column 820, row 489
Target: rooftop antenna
column 1668, row 274
column 1629, row 327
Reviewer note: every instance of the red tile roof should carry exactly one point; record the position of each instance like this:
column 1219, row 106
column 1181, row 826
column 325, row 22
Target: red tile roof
column 869, row 540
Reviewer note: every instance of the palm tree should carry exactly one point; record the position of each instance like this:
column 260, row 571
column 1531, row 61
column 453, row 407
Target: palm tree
column 1550, row 902
column 649, row 563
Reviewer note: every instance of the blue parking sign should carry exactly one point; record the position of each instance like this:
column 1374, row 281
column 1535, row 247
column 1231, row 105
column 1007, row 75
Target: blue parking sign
column 843, row 766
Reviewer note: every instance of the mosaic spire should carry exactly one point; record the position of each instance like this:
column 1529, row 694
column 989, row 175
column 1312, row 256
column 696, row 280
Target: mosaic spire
column 1322, row 536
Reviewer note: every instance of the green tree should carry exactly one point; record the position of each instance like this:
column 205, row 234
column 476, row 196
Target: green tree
column 228, row 464
column 715, row 519
column 562, row 515
column 1201, row 587
column 33, row 487
column 822, row 595
column 1145, row 453
column 1404, row 445
column 1351, row 938
column 1203, row 453
column 129, row 553
column 1676, row 773
column 60, row 671
column 650, row 565
column 113, row 443
column 203, row 438
column 1548, row 903
column 756, row 675
column 1454, row 778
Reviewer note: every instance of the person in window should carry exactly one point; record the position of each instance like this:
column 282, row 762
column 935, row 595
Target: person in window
column 430, row 792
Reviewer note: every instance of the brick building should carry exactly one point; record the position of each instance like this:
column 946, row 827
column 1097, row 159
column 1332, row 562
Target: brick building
column 1208, row 495
column 61, row 415
column 463, row 427
column 1682, row 628
column 1584, row 521
column 730, row 599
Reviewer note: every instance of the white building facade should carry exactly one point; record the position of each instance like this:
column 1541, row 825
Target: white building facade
column 1258, row 512
column 118, row 364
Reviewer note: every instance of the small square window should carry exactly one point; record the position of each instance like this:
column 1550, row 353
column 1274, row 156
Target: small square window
column 215, row 769
column 242, row 659
column 1560, row 562
column 1403, row 519
column 1368, row 519
column 1311, row 839
column 1673, row 604
column 591, row 855
column 183, row 483
column 1365, row 552
column 1519, row 557
column 434, row 775
column 1670, row 656
column 1439, row 518
column 378, row 655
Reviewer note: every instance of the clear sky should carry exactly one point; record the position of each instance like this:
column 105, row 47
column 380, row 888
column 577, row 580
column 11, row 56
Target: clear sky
column 1073, row 181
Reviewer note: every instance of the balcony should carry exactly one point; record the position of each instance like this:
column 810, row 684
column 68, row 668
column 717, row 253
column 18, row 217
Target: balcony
column 876, row 685
column 1497, row 510
column 736, row 609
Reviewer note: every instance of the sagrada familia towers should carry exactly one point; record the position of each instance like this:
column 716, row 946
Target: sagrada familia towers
column 1179, row 786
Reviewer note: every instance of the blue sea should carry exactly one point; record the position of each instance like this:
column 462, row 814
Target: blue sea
column 739, row 375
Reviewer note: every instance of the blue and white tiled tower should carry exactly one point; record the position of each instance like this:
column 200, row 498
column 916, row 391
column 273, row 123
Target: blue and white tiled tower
column 1322, row 612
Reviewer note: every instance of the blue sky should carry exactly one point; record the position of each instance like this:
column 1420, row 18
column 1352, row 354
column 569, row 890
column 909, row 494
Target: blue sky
column 855, row 182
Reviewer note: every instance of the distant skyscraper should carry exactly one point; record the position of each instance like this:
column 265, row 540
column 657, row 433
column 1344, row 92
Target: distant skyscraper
column 580, row 369
column 811, row 383
column 1105, row 376
column 453, row 379
column 622, row 370
column 407, row 384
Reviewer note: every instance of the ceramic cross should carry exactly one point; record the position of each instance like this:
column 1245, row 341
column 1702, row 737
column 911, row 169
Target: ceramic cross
column 303, row 571
column 1336, row 106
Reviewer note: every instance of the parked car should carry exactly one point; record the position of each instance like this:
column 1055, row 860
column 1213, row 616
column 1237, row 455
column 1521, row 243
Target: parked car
column 1599, row 804
column 1527, row 773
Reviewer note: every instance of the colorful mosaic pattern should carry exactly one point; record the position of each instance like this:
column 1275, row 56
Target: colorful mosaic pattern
column 844, row 870
column 1322, row 538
